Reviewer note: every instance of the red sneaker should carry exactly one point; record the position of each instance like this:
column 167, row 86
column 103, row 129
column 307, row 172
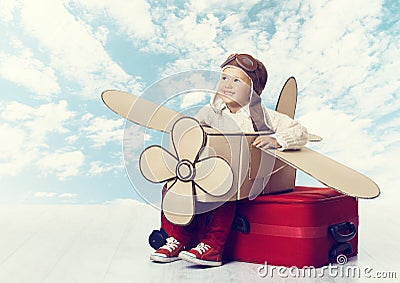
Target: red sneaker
column 202, row 254
column 169, row 252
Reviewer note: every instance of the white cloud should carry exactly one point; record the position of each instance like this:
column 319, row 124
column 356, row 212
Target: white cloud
column 134, row 137
column 99, row 168
column 7, row 8
column 132, row 17
column 40, row 121
column 45, row 194
column 15, row 153
column 15, row 111
column 344, row 137
column 50, row 118
column 211, row 5
column 54, row 194
column 329, row 52
column 25, row 132
column 193, row 98
column 12, row 140
column 87, row 116
column 126, row 201
column 329, row 23
column 134, row 141
column 193, row 34
column 62, row 164
column 71, row 139
column 23, row 69
column 349, row 140
column 101, row 34
column 74, row 51
column 380, row 89
column 26, row 141
column 102, row 130
column 386, row 175
column 67, row 195
column 195, row 45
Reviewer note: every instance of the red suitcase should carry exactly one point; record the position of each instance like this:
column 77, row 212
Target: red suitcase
column 305, row 227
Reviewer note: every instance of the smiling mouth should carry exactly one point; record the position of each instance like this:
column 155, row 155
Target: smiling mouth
column 228, row 93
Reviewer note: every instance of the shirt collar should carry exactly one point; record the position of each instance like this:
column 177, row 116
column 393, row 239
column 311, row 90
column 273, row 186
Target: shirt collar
column 245, row 110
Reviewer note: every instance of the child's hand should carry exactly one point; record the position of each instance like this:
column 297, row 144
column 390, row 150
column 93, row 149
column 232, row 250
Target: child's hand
column 266, row 142
column 204, row 124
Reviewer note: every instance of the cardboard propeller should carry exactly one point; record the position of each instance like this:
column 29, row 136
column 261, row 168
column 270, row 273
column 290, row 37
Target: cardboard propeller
column 329, row 172
column 186, row 170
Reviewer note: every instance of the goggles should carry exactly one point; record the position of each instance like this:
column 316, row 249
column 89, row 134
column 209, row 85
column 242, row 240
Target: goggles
column 245, row 61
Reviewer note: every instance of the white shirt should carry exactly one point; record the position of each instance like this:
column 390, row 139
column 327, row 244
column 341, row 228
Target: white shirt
column 289, row 133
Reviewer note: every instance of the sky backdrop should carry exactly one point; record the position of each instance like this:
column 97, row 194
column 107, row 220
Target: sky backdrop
column 60, row 144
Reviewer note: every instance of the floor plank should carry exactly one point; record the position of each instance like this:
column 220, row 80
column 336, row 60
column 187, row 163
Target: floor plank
column 108, row 243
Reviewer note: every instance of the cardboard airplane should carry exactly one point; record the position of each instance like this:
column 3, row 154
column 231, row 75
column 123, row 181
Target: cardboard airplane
column 206, row 165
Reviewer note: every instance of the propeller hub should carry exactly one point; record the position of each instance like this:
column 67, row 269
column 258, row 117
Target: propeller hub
column 185, row 170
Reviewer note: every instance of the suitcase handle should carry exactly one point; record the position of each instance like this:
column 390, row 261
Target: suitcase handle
column 337, row 231
column 340, row 248
column 158, row 238
column 240, row 224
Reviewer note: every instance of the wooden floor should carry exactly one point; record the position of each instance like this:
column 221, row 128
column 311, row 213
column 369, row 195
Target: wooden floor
column 108, row 243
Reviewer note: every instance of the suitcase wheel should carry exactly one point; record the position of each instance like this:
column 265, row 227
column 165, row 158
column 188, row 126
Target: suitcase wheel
column 343, row 232
column 158, row 238
column 240, row 224
column 340, row 248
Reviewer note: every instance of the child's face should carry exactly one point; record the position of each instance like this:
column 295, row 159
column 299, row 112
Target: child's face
column 234, row 88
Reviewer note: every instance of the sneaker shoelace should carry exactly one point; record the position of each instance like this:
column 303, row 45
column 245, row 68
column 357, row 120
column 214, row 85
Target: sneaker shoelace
column 171, row 244
column 202, row 247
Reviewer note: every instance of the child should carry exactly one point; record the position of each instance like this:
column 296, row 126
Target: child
column 236, row 105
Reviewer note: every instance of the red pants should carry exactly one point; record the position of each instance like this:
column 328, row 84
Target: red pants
column 215, row 233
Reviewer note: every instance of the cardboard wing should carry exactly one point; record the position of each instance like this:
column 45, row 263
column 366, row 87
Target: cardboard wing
column 140, row 111
column 288, row 98
column 329, row 172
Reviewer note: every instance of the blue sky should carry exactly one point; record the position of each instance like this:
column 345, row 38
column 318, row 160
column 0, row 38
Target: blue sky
column 60, row 144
